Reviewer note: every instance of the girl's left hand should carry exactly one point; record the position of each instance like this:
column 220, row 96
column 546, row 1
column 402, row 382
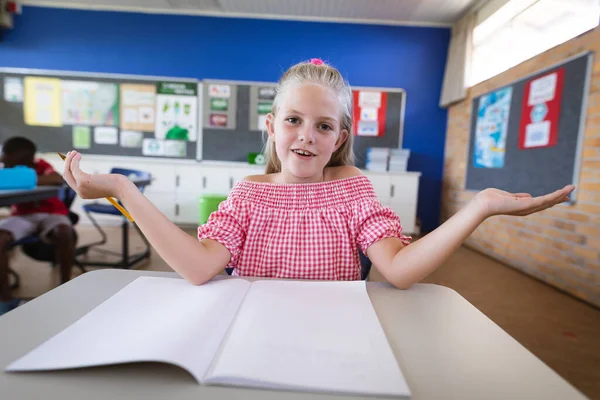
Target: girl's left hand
column 498, row 202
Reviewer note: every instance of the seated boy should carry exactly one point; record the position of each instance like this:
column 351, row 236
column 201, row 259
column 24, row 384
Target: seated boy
column 47, row 218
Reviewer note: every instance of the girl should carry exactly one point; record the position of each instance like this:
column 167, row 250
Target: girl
column 309, row 214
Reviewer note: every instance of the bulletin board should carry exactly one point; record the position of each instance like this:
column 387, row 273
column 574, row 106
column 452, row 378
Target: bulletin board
column 527, row 137
column 104, row 114
column 233, row 112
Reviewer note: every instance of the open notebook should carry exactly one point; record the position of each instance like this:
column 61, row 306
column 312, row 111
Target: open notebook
column 308, row 336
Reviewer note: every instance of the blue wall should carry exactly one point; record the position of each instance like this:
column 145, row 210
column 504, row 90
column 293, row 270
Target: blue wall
column 250, row 49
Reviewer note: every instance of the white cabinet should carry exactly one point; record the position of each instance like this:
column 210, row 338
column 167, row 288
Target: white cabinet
column 192, row 181
column 177, row 185
column 399, row 191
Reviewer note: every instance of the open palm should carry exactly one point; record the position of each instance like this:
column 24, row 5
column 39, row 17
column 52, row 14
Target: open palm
column 499, row 202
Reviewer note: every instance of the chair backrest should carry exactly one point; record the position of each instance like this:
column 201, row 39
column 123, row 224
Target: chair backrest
column 67, row 195
column 132, row 173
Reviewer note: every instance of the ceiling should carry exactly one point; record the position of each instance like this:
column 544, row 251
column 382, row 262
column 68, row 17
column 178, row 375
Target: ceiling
column 392, row 12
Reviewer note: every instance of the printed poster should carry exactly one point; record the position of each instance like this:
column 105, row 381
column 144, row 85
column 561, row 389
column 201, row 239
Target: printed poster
column 541, row 111
column 138, row 107
column 90, row 103
column 176, row 111
column 491, row 128
column 13, row 90
column 42, row 101
column 369, row 112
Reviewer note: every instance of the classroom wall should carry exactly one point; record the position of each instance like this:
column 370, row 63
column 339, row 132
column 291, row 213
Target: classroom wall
column 560, row 246
column 411, row 58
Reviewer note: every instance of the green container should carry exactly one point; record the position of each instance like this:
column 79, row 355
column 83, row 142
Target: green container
column 209, row 203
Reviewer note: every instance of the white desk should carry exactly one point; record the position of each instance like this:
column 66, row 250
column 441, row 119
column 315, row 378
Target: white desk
column 446, row 348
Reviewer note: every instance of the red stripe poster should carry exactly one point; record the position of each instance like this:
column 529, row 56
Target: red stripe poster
column 369, row 113
column 541, row 111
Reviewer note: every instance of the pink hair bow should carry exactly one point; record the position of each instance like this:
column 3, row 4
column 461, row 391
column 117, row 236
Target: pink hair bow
column 316, row 61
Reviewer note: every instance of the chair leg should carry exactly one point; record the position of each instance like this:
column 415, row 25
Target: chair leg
column 84, row 249
column 126, row 260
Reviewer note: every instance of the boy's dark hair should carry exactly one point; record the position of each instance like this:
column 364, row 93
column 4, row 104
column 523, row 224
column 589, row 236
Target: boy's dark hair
column 19, row 145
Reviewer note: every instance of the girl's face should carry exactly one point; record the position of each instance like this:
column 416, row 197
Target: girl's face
column 306, row 131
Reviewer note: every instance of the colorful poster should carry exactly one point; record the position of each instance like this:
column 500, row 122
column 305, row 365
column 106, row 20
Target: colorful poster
column 106, row 135
column 82, row 138
column 541, row 111
column 176, row 111
column 491, row 127
column 369, row 113
column 131, row 139
column 138, row 106
column 42, row 101
column 90, row 103
column 13, row 90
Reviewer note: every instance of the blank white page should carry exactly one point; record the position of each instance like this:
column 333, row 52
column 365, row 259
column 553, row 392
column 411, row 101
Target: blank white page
column 151, row 319
column 315, row 336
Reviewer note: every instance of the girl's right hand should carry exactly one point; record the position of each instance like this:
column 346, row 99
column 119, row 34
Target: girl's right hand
column 86, row 185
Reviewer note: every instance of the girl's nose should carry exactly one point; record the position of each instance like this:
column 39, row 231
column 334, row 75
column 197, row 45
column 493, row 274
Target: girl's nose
column 307, row 136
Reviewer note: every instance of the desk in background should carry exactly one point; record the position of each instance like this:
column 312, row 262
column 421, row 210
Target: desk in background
column 10, row 197
column 446, row 348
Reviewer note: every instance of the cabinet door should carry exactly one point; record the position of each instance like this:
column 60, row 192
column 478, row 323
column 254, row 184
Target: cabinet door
column 186, row 208
column 381, row 184
column 216, row 180
column 188, row 178
column 407, row 212
column 404, row 188
column 165, row 202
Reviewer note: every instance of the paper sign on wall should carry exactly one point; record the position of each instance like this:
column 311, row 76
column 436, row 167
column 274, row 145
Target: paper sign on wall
column 541, row 111
column 491, row 129
column 131, row 139
column 82, row 138
column 90, row 103
column 13, row 90
column 106, row 135
column 153, row 147
column 223, row 91
column 369, row 112
column 42, row 101
column 176, row 111
column 175, row 148
column 138, row 106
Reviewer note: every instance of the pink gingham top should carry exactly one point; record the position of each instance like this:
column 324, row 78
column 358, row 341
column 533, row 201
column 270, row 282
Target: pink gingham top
column 301, row 231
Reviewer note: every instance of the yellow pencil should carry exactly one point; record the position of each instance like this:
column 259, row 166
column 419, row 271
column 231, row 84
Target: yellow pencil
column 111, row 200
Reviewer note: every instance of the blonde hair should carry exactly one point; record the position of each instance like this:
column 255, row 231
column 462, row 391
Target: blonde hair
column 325, row 75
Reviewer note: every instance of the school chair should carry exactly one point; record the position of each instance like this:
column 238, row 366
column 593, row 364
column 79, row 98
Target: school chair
column 126, row 260
column 35, row 248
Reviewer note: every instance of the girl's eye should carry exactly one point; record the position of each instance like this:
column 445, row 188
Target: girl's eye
column 325, row 127
column 292, row 120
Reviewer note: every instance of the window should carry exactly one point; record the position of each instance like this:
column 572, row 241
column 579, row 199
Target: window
column 521, row 29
